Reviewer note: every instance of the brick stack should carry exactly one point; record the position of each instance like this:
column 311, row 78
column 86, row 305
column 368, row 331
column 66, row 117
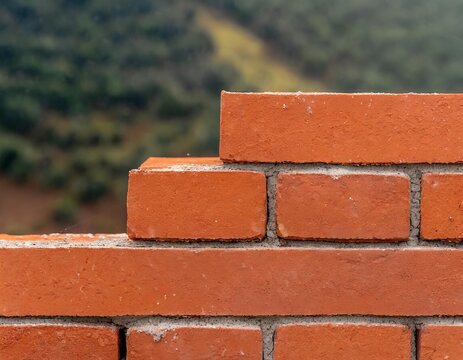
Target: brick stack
column 329, row 228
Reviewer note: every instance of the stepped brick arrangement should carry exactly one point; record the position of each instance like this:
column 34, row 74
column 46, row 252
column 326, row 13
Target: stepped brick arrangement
column 330, row 228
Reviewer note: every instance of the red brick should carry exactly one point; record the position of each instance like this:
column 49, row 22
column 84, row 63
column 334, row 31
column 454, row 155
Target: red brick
column 169, row 162
column 342, row 128
column 156, row 281
column 350, row 207
column 342, row 342
column 194, row 343
column 196, row 204
column 439, row 342
column 442, row 207
column 54, row 342
column 59, row 237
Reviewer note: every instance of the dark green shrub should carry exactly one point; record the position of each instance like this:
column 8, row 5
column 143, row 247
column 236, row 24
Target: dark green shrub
column 57, row 176
column 91, row 187
column 17, row 158
column 171, row 106
column 18, row 113
column 65, row 210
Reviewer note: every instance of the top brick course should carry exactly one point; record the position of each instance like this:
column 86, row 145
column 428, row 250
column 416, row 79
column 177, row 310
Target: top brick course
column 341, row 128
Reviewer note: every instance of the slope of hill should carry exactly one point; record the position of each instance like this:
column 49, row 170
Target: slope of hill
column 88, row 89
column 259, row 66
column 362, row 45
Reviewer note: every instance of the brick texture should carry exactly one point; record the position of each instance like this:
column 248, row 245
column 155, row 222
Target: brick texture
column 60, row 237
column 442, row 207
column 350, row 207
column 172, row 163
column 342, row 342
column 441, row 342
column 341, row 128
column 194, row 343
column 122, row 281
column 58, row 342
column 196, row 205
column 269, row 298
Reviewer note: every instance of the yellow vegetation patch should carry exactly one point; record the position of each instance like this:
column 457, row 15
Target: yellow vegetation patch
column 259, row 68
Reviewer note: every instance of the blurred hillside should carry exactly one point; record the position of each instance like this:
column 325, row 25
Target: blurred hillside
column 90, row 88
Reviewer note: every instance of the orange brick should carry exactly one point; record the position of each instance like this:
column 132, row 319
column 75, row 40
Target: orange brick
column 53, row 342
column 194, row 343
column 157, row 281
column 169, row 162
column 442, row 207
column 342, row 342
column 341, row 128
column 196, row 204
column 60, row 237
column 350, row 207
column 439, row 342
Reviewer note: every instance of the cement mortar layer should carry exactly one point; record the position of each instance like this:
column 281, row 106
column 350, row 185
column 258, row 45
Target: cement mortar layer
column 271, row 168
column 171, row 322
column 122, row 242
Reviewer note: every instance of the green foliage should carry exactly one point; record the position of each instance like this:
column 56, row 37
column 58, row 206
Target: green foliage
column 65, row 210
column 19, row 114
column 363, row 45
column 17, row 157
column 255, row 69
column 91, row 187
column 89, row 89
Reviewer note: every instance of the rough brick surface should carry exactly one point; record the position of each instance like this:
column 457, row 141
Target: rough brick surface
column 342, row 342
column 221, row 300
column 441, row 342
column 61, row 237
column 350, row 207
column 342, row 128
column 442, row 207
column 56, row 342
column 143, row 281
column 169, row 162
column 194, row 343
column 191, row 205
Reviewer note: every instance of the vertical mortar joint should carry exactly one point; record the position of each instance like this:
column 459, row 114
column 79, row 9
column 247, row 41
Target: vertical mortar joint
column 122, row 343
column 268, row 333
column 415, row 206
column 272, row 237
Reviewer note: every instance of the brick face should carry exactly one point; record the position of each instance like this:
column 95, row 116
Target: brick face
column 172, row 163
column 342, row 342
column 441, row 342
column 70, row 238
column 442, row 207
column 196, row 205
column 194, row 343
column 121, row 281
column 55, row 342
column 349, row 207
column 341, row 128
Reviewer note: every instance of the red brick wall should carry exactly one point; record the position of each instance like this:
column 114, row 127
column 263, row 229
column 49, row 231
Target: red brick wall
column 329, row 229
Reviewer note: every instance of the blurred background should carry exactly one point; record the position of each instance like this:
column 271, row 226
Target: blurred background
column 90, row 88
